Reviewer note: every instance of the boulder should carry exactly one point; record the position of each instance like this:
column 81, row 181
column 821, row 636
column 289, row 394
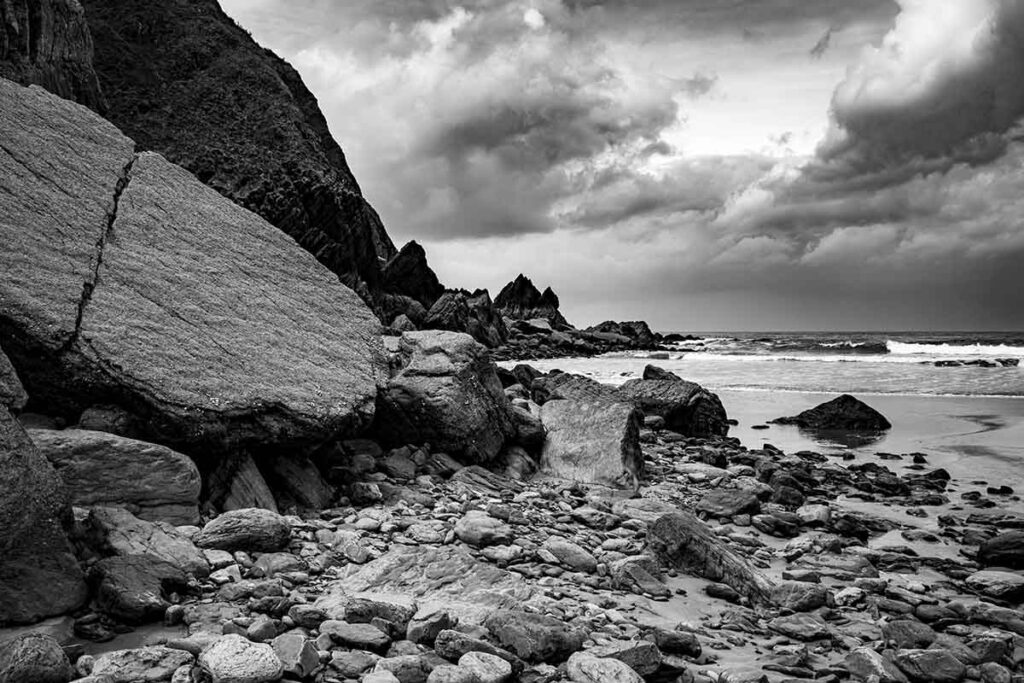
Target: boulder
column 39, row 575
column 930, row 666
column 233, row 659
column 718, row 503
column 683, row 541
column 135, row 588
column 1001, row 585
column 592, row 441
column 487, row 668
column 478, row 529
column 534, row 637
column 569, row 386
column 298, row 482
column 687, row 408
column 237, row 483
column 447, row 393
column 142, row 285
column 1003, row 550
column 844, row 413
column 139, row 665
column 408, row 274
column 584, row 667
column 799, row 596
column 48, row 43
column 115, row 531
column 111, row 419
column 153, row 482
column 249, row 529
column 12, row 394
column 297, row 654
column 34, row 658
column 636, row 333
column 521, row 300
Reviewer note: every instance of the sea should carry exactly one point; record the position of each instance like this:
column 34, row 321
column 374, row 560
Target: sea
column 956, row 397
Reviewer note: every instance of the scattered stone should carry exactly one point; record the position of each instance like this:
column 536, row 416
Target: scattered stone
column 141, row 665
column 233, row 659
column 583, row 667
column 250, row 529
column 34, row 658
column 534, row 637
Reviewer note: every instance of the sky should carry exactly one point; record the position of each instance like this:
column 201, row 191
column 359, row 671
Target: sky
column 699, row 164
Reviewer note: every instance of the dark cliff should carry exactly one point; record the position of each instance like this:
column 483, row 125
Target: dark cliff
column 521, row 300
column 183, row 79
column 47, row 42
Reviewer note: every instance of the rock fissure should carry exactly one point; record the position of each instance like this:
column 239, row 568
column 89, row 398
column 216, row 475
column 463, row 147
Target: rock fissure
column 89, row 286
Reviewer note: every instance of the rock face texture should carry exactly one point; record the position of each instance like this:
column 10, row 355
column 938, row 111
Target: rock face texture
column 683, row 541
column 39, row 576
column 474, row 314
column 141, row 287
column 843, row 413
column 521, row 300
column 47, row 42
column 12, row 394
column 153, row 482
column 184, row 80
column 592, row 441
column 446, row 392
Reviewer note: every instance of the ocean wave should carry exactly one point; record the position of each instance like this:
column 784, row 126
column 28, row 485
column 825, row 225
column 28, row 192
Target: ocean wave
column 954, row 350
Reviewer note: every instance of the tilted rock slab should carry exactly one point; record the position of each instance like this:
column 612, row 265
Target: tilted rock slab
column 153, row 482
column 685, row 542
column 445, row 392
column 594, row 441
column 12, row 394
column 128, row 281
column 39, row 576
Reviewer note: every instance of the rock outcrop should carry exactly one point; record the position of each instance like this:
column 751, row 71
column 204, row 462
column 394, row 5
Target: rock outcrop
column 183, row 79
column 141, row 287
column 521, row 300
column 636, row 333
column 153, row 482
column 39, row 576
column 48, row 43
column 445, row 392
column 407, row 274
column 474, row 314
column 844, row 413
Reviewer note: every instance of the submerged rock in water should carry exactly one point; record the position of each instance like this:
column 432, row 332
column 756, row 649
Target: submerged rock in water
column 842, row 413
column 39, row 575
column 141, row 283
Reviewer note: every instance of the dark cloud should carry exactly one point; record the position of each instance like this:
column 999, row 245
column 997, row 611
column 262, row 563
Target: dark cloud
column 821, row 47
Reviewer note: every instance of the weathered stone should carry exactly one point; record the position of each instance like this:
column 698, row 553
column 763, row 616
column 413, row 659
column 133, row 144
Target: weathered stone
column 453, row 645
column 801, row 627
column 534, row 637
column 521, row 300
column 408, row 274
column 39, row 576
column 141, row 665
column 446, row 393
column 592, row 441
column 135, row 588
column 642, row 656
column 297, row 654
column 844, row 413
column 12, row 393
column 997, row 584
column 298, row 482
column 908, row 634
column 686, row 407
column 237, row 483
column 34, row 658
column 448, row 673
column 233, row 659
column 363, row 636
column 487, row 668
column 153, row 482
column 584, row 667
column 251, row 529
column 799, row 596
column 685, row 542
column 571, row 554
column 728, row 502
column 479, row 529
column 930, row 666
column 1004, row 550
column 427, row 623
column 115, row 531
column 864, row 663
column 205, row 366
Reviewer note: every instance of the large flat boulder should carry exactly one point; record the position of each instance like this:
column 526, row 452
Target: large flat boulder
column 153, row 482
column 594, row 441
column 683, row 541
column 39, row 576
column 445, row 391
column 140, row 286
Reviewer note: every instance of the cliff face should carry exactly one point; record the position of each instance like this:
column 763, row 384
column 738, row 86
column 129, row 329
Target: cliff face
column 183, row 79
column 47, row 42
